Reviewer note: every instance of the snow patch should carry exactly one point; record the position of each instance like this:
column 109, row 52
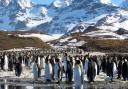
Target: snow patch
column 75, row 43
column 106, row 1
column 24, row 3
column 65, row 39
column 43, row 37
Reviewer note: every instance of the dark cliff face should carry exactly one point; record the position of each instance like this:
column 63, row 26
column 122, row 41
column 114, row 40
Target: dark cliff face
column 122, row 31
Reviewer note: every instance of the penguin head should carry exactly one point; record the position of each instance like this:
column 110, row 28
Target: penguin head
column 65, row 54
column 90, row 59
column 57, row 60
column 46, row 60
column 77, row 62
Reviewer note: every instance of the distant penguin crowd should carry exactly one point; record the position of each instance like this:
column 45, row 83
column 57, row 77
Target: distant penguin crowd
column 65, row 67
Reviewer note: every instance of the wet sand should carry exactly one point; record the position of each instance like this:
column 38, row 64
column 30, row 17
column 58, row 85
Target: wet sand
column 8, row 80
column 40, row 85
column 29, row 83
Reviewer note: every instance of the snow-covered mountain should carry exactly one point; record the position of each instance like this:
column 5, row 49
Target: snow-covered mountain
column 62, row 3
column 62, row 16
column 21, row 14
column 105, row 1
column 92, row 12
column 21, row 3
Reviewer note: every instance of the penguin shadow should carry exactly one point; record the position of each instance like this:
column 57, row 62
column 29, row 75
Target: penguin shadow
column 37, row 82
column 1, row 80
column 4, row 86
column 17, row 80
column 45, row 82
column 91, row 87
column 69, row 88
column 88, row 82
column 51, row 87
column 93, row 83
column 114, row 80
column 14, row 87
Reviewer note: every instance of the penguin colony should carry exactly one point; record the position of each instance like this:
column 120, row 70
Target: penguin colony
column 72, row 67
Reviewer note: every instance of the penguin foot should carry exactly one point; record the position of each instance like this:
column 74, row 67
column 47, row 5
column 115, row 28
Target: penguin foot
column 58, row 82
column 48, row 80
column 91, row 82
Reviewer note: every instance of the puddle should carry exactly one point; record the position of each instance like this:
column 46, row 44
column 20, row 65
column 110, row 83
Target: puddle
column 9, row 84
column 64, row 86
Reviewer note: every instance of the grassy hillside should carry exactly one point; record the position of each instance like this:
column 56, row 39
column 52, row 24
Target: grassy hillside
column 96, row 44
column 104, row 45
column 107, row 45
column 13, row 41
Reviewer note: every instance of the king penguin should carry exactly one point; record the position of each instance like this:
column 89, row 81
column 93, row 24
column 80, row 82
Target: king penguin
column 6, row 63
column 77, row 74
column 35, row 70
column 48, row 70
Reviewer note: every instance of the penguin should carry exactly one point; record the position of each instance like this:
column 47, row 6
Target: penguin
column 77, row 74
column 29, row 61
column 42, row 62
column 2, row 62
column 96, row 69
column 48, row 70
column 20, row 58
column 52, row 62
column 14, row 58
column 6, row 62
column 26, row 60
column 65, row 59
column 72, row 62
column 35, row 71
column 18, row 68
column 119, row 69
column 103, row 64
column 97, row 65
column 125, row 70
column 39, row 65
column 86, row 65
column 39, row 70
column 23, row 64
column 57, row 70
column 111, row 67
column 69, row 71
column 82, row 69
column 108, row 67
column 91, row 71
column 10, row 65
column 114, row 69
column 39, row 60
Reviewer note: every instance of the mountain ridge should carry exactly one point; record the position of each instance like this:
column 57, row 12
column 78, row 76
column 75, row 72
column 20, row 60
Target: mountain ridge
column 24, row 15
